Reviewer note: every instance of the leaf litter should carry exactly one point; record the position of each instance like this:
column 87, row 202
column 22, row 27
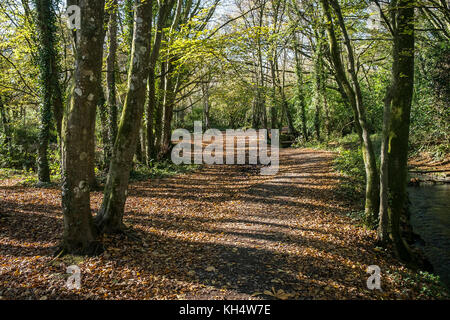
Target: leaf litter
column 222, row 232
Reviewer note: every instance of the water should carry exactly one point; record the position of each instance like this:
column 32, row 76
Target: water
column 430, row 218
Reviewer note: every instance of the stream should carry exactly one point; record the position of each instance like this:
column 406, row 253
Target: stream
column 430, row 218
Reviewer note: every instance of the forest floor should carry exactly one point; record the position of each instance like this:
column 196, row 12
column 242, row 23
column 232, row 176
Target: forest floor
column 221, row 232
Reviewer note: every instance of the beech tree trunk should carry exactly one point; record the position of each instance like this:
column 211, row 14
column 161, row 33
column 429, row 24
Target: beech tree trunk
column 110, row 217
column 79, row 127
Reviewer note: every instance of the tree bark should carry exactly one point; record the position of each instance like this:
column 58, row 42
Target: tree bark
column 383, row 224
column 274, row 107
column 110, row 217
column 5, row 123
column 169, row 101
column 79, row 127
column 205, row 92
column 160, row 109
column 103, row 113
column 111, row 75
column 47, row 56
column 300, row 95
column 403, row 74
column 154, row 115
column 354, row 95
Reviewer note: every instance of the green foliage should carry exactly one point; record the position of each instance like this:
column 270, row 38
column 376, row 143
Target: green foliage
column 22, row 152
column 430, row 114
column 188, row 120
column 429, row 285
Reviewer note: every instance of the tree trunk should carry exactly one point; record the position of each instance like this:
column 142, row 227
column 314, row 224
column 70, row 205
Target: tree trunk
column 110, row 217
column 319, row 85
column 151, row 102
column 79, row 127
column 403, row 73
column 47, row 56
column 5, row 123
column 205, row 92
column 153, row 113
column 57, row 98
column 259, row 115
column 102, row 108
column 169, row 101
column 142, row 145
column 300, row 94
column 274, row 107
column 160, row 109
column 383, row 224
column 111, row 76
column 355, row 98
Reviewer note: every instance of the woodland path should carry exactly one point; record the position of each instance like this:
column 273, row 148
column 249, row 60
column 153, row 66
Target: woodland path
column 221, row 232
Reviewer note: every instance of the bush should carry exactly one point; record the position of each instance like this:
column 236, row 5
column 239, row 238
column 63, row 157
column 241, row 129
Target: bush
column 21, row 153
column 159, row 170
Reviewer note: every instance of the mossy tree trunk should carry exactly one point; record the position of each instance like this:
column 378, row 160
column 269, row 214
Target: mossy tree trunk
column 172, row 82
column 403, row 75
column 110, row 217
column 103, row 114
column 79, row 127
column 111, row 77
column 154, row 110
column 383, row 223
column 354, row 95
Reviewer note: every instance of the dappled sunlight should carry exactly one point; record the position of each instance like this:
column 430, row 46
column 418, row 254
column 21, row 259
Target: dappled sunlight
column 222, row 232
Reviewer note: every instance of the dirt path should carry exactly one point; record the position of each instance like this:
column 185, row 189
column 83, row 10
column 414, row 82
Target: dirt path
column 223, row 232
